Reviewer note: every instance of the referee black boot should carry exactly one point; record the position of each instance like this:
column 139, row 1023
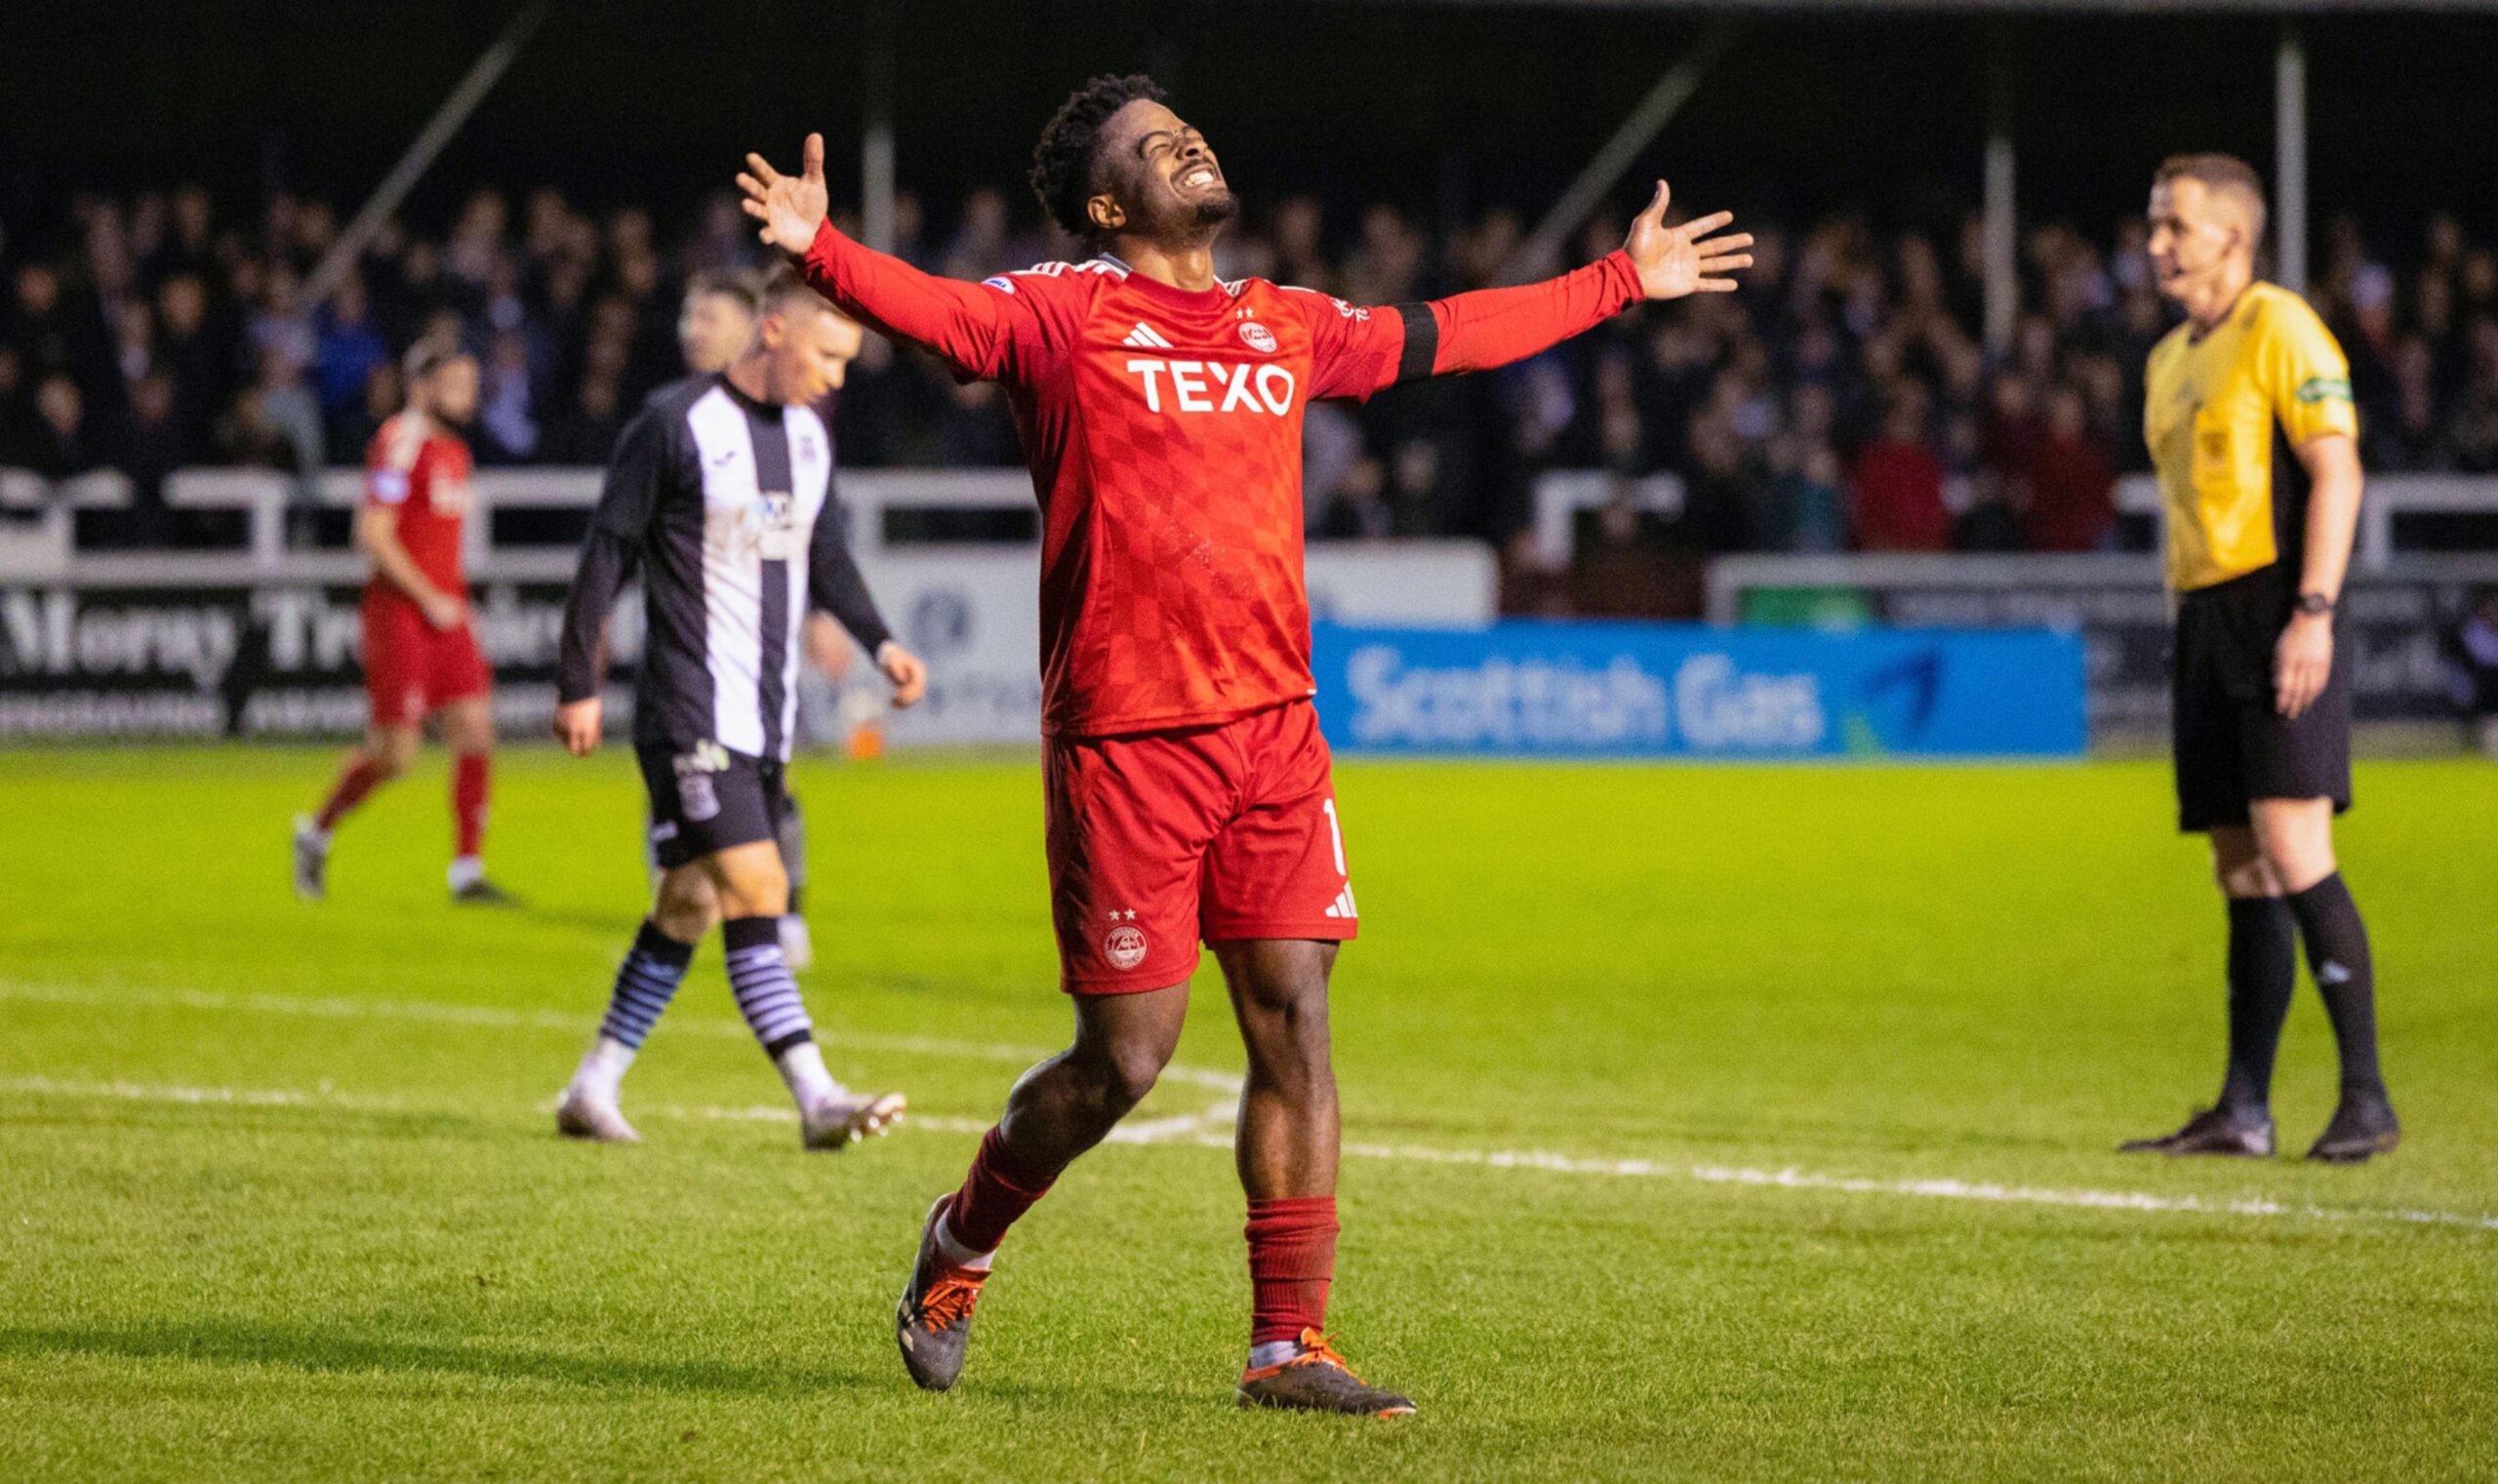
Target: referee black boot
column 2245, row 1134
column 2363, row 1126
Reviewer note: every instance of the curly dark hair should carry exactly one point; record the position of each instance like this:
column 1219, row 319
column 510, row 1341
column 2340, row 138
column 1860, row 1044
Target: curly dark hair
column 1063, row 162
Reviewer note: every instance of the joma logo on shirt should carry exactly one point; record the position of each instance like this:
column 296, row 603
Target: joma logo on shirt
column 1204, row 386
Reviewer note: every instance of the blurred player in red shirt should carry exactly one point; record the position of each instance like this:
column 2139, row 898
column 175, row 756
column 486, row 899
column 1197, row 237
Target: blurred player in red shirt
column 421, row 655
column 1187, row 790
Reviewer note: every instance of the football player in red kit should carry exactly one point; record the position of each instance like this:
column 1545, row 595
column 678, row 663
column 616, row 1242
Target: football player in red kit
column 1186, row 787
column 421, row 655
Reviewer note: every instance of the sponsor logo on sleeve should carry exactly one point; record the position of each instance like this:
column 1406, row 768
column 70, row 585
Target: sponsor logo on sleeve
column 2324, row 389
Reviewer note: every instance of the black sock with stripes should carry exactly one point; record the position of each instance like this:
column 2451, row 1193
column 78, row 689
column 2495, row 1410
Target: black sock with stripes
column 2337, row 955
column 767, row 996
column 644, row 986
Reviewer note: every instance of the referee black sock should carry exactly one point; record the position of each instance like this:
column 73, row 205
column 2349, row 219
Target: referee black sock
column 2263, row 973
column 2337, row 955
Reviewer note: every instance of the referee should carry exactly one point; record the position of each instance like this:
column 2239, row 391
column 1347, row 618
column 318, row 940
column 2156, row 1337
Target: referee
column 2257, row 549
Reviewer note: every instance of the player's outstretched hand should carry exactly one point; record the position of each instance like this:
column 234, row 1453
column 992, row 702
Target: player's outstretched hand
column 577, row 726
column 906, row 672
column 1675, row 261
column 789, row 207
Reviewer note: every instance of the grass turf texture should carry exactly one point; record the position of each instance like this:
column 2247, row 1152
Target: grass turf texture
column 1979, row 974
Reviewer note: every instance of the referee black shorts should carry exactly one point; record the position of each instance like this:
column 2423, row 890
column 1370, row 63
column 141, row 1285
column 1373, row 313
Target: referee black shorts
column 2230, row 743
column 706, row 799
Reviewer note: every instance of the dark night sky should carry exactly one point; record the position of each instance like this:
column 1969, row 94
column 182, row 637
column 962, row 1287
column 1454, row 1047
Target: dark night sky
column 1428, row 107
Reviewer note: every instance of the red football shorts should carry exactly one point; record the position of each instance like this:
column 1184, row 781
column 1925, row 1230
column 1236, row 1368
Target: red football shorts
column 411, row 669
column 1217, row 834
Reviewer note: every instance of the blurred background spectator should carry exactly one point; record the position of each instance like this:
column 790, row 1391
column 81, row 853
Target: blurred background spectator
column 1842, row 401
column 2471, row 658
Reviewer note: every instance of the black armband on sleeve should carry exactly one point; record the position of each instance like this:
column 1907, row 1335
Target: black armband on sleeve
column 607, row 562
column 1422, row 341
column 836, row 585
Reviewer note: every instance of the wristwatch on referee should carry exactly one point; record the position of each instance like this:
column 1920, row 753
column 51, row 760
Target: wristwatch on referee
column 2314, row 605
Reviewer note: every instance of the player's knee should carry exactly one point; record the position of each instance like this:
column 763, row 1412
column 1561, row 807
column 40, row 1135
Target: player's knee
column 2296, row 849
column 687, row 907
column 1126, row 1072
column 757, row 893
column 2249, row 875
column 391, row 754
column 470, row 730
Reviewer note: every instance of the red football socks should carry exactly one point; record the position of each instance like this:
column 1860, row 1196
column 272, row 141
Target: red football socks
column 353, row 785
column 1292, row 1260
column 469, row 802
column 998, row 1189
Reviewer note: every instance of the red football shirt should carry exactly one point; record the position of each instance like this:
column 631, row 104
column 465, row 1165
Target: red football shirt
column 418, row 469
column 1163, row 430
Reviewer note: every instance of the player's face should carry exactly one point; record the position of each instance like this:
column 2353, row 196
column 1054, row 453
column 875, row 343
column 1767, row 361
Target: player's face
column 810, row 353
column 451, row 389
column 1165, row 181
column 712, row 329
column 2194, row 231
column 847, row 338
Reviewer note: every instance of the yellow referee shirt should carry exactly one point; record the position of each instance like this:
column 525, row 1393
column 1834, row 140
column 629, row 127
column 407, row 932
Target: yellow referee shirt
column 2209, row 407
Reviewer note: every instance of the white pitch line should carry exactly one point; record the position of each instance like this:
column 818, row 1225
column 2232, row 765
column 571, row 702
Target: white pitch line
column 1943, row 1188
column 443, row 1013
column 1197, row 1132
column 925, row 1122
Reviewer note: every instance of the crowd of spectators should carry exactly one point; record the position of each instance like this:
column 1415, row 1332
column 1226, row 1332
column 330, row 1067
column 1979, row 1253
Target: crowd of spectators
column 1845, row 400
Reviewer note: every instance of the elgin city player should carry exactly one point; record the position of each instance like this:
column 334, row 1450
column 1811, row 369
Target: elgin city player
column 719, row 495
column 714, row 326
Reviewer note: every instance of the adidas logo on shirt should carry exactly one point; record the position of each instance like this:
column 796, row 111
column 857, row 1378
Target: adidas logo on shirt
column 1144, row 336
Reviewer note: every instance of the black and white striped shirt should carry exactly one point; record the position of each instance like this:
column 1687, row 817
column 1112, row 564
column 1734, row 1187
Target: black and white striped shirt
column 726, row 503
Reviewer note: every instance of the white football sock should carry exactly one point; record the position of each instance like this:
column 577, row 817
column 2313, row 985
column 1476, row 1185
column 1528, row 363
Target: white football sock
column 802, row 1067
column 1274, row 1352
column 959, row 1255
column 602, row 1068
column 466, row 871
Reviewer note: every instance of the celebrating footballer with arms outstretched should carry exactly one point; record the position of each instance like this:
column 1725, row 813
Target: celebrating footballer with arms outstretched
column 1186, row 787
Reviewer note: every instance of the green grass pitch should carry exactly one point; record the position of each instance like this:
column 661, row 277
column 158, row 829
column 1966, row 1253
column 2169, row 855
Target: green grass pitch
column 1820, row 1071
